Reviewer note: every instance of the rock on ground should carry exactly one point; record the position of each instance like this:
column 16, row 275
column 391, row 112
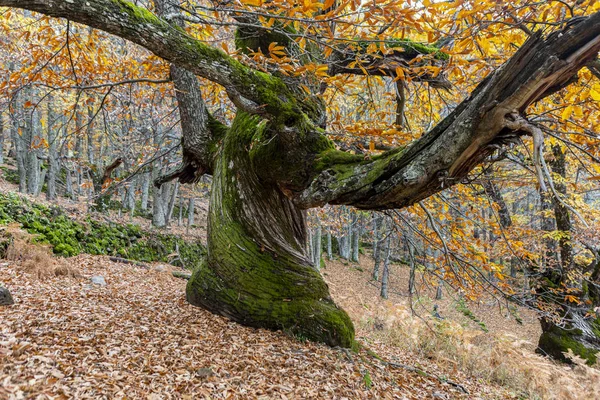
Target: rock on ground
column 5, row 297
column 98, row 280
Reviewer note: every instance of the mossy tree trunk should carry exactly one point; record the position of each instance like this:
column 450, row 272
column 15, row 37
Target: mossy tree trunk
column 258, row 271
column 578, row 328
column 276, row 161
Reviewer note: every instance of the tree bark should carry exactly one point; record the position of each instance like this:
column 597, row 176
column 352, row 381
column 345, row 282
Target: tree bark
column 2, row 130
column 52, row 137
column 577, row 330
column 356, row 233
column 385, row 276
column 257, row 271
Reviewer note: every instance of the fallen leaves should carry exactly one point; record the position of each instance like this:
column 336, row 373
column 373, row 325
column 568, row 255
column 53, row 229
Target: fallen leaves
column 138, row 338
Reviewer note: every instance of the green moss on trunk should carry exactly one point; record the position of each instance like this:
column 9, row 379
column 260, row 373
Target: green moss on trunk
column 257, row 271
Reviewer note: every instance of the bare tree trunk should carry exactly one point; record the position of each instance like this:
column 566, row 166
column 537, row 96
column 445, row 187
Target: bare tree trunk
column 90, row 136
column 357, row 229
column 411, row 278
column 69, row 182
column 2, row 130
column 385, row 276
column 32, row 141
column 310, row 246
column 52, row 137
column 171, row 204
column 130, row 199
column 329, row 249
column 318, row 245
column 180, row 217
column 191, row 212
column 376, row 227
column 78, row 178
column 380, row 235
column 145, row 190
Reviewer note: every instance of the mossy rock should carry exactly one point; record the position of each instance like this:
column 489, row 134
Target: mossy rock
column 556, row 341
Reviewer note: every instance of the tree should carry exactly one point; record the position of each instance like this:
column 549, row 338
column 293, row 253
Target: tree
column 275, row 160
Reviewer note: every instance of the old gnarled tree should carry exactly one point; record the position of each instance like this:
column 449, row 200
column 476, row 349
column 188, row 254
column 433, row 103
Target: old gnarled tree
column 275, row 160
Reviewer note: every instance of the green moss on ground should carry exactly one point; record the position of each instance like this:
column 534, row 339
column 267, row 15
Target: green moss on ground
column 69, row 237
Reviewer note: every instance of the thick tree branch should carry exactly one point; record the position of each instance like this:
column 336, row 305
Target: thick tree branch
column 420, row 62
column 471, row 132
column 197, row 135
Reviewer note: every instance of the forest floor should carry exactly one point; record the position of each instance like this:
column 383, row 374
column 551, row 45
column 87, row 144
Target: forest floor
column 136, row 337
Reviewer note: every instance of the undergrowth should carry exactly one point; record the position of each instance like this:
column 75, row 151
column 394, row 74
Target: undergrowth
column 69, row 237
column 494, row 358
column 34, row 258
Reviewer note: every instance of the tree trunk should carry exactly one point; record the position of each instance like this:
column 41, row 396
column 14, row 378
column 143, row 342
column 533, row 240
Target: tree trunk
column 145, row 191
column 380, row 236
column 318, row 245
column 385, row 276
column 578, row 330
column 257, row 271
column 52, row 137
column 2, row 130
column 180, row 216
column 329, row 249
column 158, row 208
column 357, row 229
column 191, row 212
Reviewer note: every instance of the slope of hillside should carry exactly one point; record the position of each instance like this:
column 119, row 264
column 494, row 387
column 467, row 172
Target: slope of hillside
column 136, row 337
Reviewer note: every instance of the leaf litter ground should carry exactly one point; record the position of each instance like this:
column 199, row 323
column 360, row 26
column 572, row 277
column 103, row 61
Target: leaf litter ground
column 137, row 337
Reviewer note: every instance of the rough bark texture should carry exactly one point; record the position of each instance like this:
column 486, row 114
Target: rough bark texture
column 258, row 271
column 578, row 330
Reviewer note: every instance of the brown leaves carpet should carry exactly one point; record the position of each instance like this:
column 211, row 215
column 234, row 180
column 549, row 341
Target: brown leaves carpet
column 137, row 338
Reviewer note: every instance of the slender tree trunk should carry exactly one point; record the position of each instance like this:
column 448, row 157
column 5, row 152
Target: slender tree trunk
column 310, row 246
column 376, row 227
column 171, row 204
column 90, row 136
column 19, row 127
column 329, row 249
column 356, row 237
column 180, row 216
column 411, row 278
column 145, row 190
column 69, row 182
column 2, row 130
column 130, row 203
column 318, row 245
column 191, row 212
column 78, row 178
column 264, row 278
column 52, row 137
column 381, row 234
column 385, row 276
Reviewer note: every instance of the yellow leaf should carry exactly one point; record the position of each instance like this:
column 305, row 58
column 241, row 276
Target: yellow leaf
column 567, row 113
column 595, row 92
column 255, row 3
